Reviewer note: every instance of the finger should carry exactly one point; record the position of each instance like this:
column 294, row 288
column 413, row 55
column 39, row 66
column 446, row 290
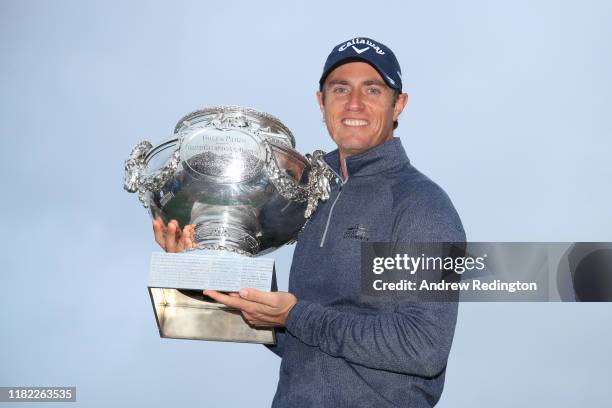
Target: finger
column 231, row 301
column 178, row 233
column 191, row 235
column 170, row 237
column 180, row 242
column 187, row 237
column 254, row 295
column 248, row 317
column 254, row 321
column 158, row 231
column 263, row 324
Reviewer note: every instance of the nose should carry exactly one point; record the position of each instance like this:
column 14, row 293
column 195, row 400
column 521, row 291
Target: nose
column 355, row 102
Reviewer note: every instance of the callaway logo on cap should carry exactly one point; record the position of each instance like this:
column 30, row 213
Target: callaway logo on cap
column 378, row 55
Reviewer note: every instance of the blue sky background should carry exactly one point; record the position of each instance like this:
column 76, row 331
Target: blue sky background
column 509, row 112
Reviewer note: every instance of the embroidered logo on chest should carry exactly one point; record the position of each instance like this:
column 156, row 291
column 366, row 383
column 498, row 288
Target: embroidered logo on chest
column 357, row 231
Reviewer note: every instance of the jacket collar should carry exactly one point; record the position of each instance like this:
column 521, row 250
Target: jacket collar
column 376, row 160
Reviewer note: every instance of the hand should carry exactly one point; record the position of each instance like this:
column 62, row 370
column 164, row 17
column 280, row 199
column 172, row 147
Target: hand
column 171, row 238
column 265, row 309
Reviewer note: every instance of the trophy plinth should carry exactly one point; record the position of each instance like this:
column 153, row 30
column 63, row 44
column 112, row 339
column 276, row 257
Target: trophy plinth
column 234, row 173
column 181, row 309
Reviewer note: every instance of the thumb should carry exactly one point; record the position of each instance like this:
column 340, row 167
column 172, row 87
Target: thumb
column 254, row 295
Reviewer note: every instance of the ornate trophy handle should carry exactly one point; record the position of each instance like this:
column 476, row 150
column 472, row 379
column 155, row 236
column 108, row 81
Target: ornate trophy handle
column 319, row 180
column 135, row 177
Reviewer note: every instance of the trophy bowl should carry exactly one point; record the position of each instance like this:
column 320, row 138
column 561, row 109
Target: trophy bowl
column 234, row 173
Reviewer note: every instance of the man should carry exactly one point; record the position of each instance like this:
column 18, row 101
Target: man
column 338, row 350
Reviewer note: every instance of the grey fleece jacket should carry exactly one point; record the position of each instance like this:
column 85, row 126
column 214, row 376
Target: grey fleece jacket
column 336, row 349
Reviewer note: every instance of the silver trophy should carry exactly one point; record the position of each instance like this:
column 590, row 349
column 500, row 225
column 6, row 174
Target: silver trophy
column 234, row 173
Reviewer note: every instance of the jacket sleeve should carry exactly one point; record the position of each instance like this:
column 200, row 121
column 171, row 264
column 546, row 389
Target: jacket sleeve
column 415, row 338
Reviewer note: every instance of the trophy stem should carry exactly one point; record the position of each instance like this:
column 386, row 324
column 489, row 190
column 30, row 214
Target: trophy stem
column 219, row 235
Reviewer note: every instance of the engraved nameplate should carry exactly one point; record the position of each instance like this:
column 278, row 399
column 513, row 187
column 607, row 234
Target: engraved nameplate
column 230, row 156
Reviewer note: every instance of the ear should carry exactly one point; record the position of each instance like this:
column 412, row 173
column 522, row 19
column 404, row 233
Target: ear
column 320, row 100
column 402, row 100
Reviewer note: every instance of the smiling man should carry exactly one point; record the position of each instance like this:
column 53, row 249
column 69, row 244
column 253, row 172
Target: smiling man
column 337, row 349
column 360, row 109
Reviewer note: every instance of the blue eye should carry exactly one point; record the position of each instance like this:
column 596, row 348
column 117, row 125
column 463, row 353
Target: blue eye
column 340, row 90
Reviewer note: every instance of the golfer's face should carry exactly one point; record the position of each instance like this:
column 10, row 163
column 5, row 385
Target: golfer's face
column 358, row 108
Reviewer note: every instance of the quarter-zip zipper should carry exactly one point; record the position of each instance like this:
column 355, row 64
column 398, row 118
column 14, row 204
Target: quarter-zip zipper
column 331, row 210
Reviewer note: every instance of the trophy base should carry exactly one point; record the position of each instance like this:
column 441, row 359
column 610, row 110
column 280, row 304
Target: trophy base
column 176, row 282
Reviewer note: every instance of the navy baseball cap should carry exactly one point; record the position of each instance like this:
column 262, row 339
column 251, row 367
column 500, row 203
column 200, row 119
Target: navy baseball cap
column 378, row 55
